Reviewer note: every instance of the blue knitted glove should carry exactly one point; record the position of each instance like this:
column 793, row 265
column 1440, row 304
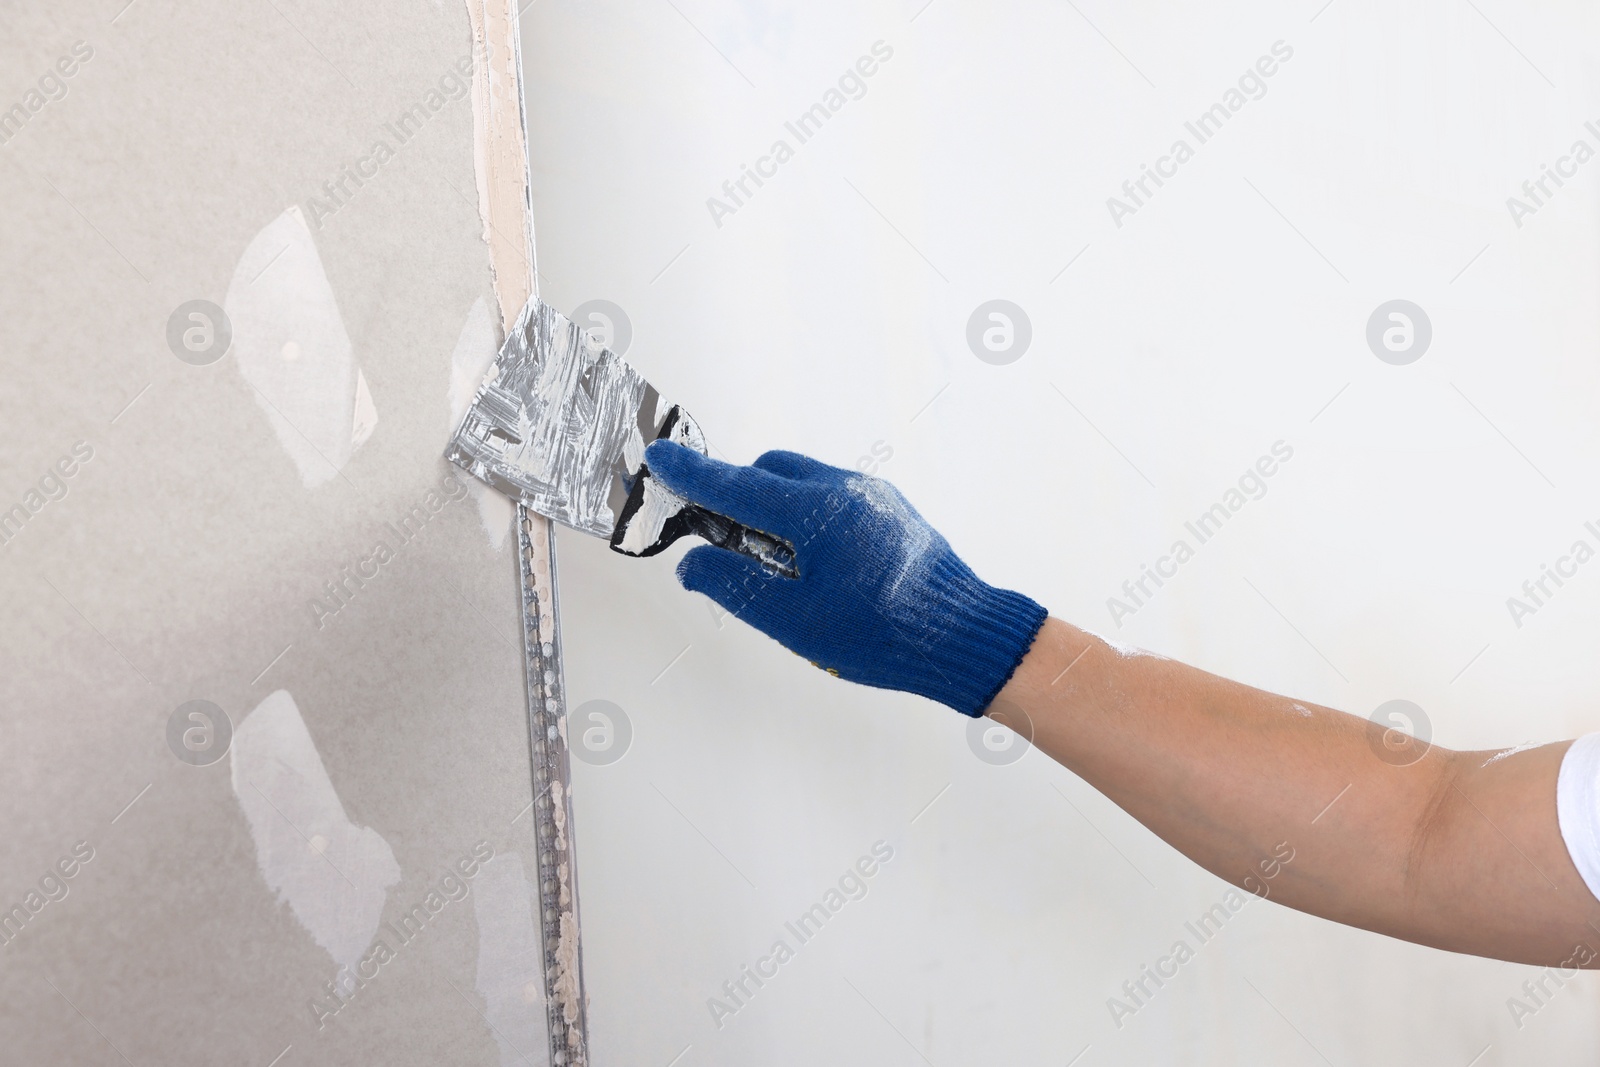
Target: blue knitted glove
column 881, row 599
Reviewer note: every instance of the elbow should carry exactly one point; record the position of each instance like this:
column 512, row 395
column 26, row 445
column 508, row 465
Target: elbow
column 1436, row 803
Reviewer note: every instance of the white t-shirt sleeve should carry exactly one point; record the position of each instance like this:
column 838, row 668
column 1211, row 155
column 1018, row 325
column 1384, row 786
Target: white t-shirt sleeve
column 1578, row 807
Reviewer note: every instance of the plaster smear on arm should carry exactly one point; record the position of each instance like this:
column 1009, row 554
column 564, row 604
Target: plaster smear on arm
column 1524, row 747
column 1130, row 651
column 333, row 874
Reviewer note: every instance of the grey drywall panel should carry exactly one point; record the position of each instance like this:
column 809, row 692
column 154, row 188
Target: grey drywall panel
column 185, row 558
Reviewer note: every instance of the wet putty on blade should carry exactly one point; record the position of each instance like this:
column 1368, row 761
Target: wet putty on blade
column 561, row 424
column 552, row 420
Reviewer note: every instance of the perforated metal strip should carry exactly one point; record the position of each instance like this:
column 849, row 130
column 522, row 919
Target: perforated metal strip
column 559, row 929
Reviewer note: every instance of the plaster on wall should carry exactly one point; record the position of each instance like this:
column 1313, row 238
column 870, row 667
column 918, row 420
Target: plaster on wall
column 509, row 978
column 474, row 352
column 333, row 874
column 291, row 346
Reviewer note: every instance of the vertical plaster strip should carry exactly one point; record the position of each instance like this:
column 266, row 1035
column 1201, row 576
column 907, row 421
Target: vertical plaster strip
column 506, row 206
column 500, row 139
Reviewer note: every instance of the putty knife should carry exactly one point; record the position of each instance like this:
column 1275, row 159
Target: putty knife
column 561, row 424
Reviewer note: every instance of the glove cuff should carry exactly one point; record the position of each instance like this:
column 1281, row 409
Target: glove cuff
column 983, row 634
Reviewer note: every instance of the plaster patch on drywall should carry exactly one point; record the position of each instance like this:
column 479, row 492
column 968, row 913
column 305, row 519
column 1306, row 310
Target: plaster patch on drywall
column 333, row 874
column 474, row 353
column 365, row 418
column 509, row 961
column 292, row 348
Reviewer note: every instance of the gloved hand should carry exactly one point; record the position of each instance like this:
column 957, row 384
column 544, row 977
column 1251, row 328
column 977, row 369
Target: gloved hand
column 881, row 599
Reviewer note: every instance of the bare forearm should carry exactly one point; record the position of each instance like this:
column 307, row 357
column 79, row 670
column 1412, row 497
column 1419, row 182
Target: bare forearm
column 1455, row 850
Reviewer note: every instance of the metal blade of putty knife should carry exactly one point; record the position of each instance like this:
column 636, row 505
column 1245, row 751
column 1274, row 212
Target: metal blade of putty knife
column 561, row 424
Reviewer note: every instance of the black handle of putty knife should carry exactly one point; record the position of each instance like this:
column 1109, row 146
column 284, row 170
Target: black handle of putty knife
column 773, row 553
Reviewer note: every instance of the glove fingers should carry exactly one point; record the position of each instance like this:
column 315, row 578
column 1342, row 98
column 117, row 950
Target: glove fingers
column 735, row 581
column 753, row 497
column 795, row 466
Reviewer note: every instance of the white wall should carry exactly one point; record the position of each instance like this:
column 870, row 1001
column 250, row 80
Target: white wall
column 1226, row 315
